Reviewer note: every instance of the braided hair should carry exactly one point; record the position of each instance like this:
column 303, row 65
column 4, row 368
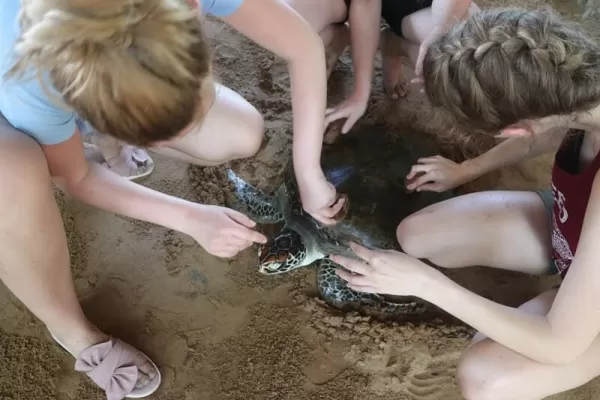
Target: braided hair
column 502, row 66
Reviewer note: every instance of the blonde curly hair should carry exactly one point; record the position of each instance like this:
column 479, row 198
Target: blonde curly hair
column 503, row 66
column 134, row 69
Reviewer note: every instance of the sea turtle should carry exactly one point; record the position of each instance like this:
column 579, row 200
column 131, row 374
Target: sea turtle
column 367, row 165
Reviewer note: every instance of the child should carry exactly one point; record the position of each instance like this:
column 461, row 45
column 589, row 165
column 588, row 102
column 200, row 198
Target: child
column 534, row 78
column 413, row 25
column 140, row 71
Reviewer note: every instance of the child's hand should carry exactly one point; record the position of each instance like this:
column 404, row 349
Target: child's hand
column 385, row 272
column 437, row 174
column 319, row 198
column 351, row 109
column 221, row 231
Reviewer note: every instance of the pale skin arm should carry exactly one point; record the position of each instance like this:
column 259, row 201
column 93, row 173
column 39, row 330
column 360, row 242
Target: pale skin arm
column 275, row 26
column 437, row 173
column 104, row 189
column 559, row 337
column 364, row 19
column 570, row 326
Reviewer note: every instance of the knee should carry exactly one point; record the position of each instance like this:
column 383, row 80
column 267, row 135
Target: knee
column 23, row 167
column 412, row 235
column 250, row 138
column 477, row 378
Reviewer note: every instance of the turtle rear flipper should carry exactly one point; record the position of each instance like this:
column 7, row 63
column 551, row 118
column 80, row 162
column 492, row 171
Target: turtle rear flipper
column 336, row 293
column 253, row 202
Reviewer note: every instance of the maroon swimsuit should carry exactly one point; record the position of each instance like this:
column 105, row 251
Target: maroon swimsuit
column 571, row 191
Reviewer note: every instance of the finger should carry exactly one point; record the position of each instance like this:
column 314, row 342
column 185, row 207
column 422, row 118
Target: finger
column 421, row 180
column 350, row 121
column 248, row 234
column 337, row 114
column 352, row 265
column 429, row 160
column 240, row 218
column 336, row 207
column 431, row 187
column 330, row 110
column 418, row 169
column 326, row 215
column 363, row 289
column 323, row 220
column 355, row 280
column 363, row 253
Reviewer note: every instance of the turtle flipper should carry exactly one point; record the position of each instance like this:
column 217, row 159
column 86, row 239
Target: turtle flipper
column 336, row 293
column 253, row 202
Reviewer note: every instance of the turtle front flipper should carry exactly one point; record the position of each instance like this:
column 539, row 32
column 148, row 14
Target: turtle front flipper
column 337, row 294
column 253, row 202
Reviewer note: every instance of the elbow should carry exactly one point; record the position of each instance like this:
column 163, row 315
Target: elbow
column 71, row 182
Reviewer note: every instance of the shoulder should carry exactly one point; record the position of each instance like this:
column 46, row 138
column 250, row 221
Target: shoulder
column 24, row 103
column 220, row 8
column 26, row 106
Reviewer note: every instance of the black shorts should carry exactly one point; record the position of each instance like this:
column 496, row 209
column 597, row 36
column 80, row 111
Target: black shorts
column 394, row 11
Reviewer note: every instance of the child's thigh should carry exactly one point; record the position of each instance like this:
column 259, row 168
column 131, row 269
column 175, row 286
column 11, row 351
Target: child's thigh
column 231, row 129
column 488, row 370
column 502, row 229
column 416, row 25
column 320, row 13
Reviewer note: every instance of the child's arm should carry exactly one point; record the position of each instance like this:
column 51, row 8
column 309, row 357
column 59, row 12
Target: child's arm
column 439, row 174
column 364, row 19
column 278, row 28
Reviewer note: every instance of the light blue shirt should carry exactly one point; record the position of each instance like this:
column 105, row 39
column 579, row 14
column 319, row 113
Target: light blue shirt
column 26, row 105
column 220, row 8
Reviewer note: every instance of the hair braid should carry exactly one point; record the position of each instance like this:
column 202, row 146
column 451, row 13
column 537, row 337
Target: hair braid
column 502, row 66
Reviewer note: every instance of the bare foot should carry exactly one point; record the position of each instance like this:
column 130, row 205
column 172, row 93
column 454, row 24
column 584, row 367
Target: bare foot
column 92, row 336
column 341, row 39
column 393, row 83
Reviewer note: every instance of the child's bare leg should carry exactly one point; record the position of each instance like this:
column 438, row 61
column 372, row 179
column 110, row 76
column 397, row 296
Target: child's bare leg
column 232, row 129
column 327, row 18
column 490, row 371
column 34, row 259
column 415, row 29
column 393, row 50
column 340, row 39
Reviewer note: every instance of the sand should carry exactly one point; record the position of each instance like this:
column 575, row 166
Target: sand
column 219, row 330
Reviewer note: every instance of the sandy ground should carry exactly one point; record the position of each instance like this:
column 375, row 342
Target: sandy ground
column 219, row 330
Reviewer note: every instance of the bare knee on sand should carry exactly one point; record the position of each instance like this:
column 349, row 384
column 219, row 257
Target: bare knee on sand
column 413, row 239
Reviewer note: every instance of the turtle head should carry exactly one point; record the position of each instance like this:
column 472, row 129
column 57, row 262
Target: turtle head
column 283, row 253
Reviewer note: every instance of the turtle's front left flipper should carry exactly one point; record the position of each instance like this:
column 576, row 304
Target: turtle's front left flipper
column 253, row 202
column 337, row 294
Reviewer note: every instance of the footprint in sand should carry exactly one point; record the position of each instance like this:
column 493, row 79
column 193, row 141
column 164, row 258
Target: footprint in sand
column 413, row 373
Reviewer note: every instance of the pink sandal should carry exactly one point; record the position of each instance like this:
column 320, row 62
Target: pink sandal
column 111, row 365
column 131, row 163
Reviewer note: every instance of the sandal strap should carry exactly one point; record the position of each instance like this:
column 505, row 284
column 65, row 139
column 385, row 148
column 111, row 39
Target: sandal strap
column 111, row 365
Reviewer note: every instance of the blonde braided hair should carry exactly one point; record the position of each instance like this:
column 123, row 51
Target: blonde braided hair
column 502, row 66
